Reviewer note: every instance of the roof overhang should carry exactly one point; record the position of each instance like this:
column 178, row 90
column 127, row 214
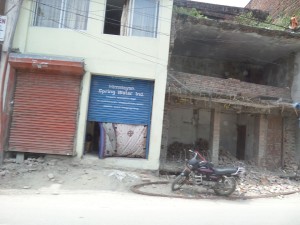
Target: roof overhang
column 203, row 38
column 46, row 64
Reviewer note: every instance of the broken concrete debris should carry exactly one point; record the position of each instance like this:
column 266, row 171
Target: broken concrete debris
column 179, row 151
column 257, row 180
column 51, row 176
column 120, row 175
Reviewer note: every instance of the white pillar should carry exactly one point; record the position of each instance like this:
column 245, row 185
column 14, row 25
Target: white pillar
column 214, row 141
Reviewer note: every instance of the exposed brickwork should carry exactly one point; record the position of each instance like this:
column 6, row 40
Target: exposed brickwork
column 289, row 141
column 231, row 87
column 270, row 144
column 262, row 140
column 215, row 135
column 276, row 7
column 274, row 142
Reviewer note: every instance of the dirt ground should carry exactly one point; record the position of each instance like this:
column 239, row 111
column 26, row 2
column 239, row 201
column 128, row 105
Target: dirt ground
column 58, row 174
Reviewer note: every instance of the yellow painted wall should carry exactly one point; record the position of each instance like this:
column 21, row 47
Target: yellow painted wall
column 103, row 54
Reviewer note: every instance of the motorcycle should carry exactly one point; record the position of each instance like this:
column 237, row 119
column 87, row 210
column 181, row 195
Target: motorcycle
column 199, row 171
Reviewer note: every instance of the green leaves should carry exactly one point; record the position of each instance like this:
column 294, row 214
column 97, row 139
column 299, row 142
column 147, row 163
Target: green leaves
column 188, row 11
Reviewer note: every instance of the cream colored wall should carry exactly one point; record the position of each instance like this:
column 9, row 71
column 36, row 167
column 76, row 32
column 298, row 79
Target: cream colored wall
column 133, row 57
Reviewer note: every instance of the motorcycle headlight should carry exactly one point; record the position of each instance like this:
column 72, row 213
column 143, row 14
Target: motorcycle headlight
column 189, row 166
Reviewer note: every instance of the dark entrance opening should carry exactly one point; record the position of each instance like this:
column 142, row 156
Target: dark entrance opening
column 113, row 14
column 92, row 138
column 241, row 142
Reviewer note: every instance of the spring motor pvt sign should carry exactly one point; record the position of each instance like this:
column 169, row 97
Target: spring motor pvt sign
column 3, row 22
column 121, row 97
column 120, row 100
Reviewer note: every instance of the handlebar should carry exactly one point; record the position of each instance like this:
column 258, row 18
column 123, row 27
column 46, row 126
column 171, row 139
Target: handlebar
column 197, row 153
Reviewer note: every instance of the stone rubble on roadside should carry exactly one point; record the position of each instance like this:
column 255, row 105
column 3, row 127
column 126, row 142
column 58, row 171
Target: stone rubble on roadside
column 121, row 175
column 259, row 181
column 51, row 176
column 256, row 181
column 3, row 173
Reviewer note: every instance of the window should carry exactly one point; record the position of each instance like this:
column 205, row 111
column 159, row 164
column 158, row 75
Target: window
column 131, row 17
column 71, row 14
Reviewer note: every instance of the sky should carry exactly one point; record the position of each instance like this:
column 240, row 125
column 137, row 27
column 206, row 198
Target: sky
column 238, row 3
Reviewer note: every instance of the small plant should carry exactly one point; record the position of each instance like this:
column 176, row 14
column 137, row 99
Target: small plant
column 188, row 11
column 280, row 23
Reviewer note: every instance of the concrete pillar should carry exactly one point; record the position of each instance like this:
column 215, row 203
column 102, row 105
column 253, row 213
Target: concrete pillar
column 295, row 93
column 262, row 139
column 164, row 139
column 20, row 157
column 297, row 147
column 214, row 138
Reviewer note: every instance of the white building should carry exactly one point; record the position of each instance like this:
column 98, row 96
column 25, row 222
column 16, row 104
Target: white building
column 89, row 75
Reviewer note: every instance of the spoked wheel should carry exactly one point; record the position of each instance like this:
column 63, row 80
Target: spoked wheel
column 225, row 186
column 178, row 182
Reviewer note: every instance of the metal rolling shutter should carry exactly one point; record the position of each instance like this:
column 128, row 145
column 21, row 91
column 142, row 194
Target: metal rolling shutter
column 44, row 113
column 109, row 101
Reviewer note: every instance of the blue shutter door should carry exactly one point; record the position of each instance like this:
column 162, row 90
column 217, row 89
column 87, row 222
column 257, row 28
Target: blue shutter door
column 118, row 100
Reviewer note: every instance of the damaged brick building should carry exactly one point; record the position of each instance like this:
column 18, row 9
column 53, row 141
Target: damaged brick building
column 231, row 88
column 276, row 8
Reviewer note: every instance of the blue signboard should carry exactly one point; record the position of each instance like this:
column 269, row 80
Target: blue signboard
column 119, row 100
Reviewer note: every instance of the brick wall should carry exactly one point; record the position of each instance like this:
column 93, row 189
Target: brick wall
column 230, row 87
column 269, row 134
column 274, row 142
column 289, row 142
column 262, row 124
column 275, row 7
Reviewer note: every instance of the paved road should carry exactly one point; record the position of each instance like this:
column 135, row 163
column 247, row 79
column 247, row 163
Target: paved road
column 112, row 208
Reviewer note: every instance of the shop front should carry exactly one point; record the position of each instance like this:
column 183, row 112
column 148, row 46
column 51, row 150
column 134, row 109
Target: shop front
column 44, row 104
column 119, row 117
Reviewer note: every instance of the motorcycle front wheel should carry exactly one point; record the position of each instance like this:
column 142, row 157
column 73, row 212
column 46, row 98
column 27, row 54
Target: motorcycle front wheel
column 225, row 186
column 178, row 182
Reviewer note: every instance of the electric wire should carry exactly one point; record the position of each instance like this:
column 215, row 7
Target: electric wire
column 113, row 45
column 117, row 8
column 105, row 21
column 211, row 40
column 11, row 8
column 111, row 20
column 102, row 41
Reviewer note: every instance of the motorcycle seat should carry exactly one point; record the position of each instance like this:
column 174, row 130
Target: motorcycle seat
column 225, row 170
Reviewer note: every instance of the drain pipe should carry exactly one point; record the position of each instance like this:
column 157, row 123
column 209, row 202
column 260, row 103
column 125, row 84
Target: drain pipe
column 3, row 76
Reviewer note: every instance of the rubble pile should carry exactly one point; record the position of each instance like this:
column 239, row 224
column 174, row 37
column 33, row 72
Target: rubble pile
column 14, row 168
column 35, row 173
column 225, row 158
column 179, row 151
column 259, row 181
column 290, row 164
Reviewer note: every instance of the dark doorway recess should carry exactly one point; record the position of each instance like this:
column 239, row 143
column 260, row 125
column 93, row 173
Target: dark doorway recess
column 241, row 142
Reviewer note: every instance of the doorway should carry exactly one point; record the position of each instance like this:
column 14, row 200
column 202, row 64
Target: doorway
column 241, row 142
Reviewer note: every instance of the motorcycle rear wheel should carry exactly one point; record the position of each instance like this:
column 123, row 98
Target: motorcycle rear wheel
column 178, row 182
column 225, row 186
